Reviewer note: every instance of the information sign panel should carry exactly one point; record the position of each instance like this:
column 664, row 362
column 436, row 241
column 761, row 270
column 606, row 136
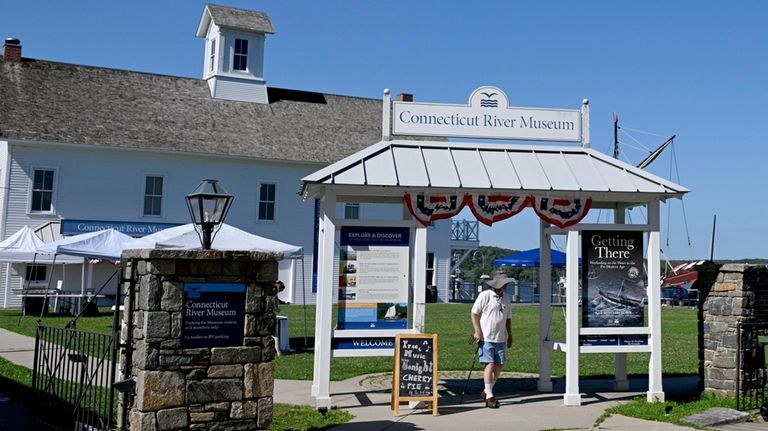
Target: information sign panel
column 373, row 278
column 214, row 315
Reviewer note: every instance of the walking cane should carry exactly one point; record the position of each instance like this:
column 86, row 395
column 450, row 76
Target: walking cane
column 466, row 382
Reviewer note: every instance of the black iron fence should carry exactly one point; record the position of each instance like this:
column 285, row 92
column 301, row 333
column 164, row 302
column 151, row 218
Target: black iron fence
column 72, row 378
column 752, row 366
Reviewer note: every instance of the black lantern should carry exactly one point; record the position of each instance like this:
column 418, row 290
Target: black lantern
column 208, row 206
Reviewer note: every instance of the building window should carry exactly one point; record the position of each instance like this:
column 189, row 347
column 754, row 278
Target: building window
column 240, row 60
column 153, row 196
column 212, row 57
column 35, row 273
column 430, row 269
column 42, row 191
column 267, row 201
column 352, row 211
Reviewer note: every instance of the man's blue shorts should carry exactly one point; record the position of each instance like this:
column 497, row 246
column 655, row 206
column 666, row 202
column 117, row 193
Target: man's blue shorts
column 490, row 352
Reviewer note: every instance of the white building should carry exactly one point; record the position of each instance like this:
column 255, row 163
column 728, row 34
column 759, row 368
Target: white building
column 82, row 148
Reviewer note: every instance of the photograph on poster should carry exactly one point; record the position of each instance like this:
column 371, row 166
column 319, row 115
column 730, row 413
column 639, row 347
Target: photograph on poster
column 345, row 295
column 347, row 254
column 350, row 267
column 613, row 279
column 391, row 311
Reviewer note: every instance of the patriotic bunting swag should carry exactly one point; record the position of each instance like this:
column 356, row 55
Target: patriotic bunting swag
column 561, row 212
column 489, row 209
column 492, row 208
column 426, row 208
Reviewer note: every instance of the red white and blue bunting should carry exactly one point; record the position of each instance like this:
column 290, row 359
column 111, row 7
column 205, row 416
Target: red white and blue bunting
column 489, row 209
column 561, row 212
column 427, row 208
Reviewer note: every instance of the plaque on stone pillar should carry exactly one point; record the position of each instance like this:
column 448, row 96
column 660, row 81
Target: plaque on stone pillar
column 214, row 315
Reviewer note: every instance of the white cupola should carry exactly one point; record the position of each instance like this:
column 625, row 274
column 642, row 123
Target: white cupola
column 234, row 52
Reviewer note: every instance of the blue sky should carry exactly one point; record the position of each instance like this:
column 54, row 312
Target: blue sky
column 694, row 69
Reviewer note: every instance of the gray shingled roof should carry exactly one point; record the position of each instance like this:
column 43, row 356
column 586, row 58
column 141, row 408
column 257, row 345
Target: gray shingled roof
column 240, row 19
column 57, row 102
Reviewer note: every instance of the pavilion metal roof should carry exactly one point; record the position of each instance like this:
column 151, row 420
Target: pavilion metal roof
column 457, row 167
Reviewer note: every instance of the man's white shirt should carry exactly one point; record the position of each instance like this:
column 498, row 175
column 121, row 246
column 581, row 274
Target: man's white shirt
column 494, row 311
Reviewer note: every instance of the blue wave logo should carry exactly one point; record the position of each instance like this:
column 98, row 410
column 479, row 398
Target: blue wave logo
column 488, row 102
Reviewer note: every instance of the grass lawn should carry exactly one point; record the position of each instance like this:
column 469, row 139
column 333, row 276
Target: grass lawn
column 451, row 323
column 15, row 380
column 669, row 411
column 9, row 319
column 299, row 418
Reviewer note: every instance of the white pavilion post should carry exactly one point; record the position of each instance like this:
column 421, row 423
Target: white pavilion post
column 325, row 291
column 620, row 380
column 545, row 310
column 319, row 311
column 655, row 390
column 572, row 396
column 419, row 278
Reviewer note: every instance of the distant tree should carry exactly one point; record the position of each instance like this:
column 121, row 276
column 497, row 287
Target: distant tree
column 472, row 267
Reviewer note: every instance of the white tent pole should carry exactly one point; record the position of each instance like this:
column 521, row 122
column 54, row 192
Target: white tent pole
column 82, row 285
column 304, row 296
column 90, row 278
column 7, row 283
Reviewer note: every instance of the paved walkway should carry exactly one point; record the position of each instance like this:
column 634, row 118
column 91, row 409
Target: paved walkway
column 16, row 348
column 368, row 397
column 522, row 407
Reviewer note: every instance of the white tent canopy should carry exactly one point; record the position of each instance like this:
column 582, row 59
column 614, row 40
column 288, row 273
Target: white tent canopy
column 110, row 244
column 103, row 244
column 227, row 238
column 22, row 247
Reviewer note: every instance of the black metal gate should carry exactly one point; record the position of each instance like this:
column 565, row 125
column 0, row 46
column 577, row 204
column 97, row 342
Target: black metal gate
column 752, row 367
column 72, row 378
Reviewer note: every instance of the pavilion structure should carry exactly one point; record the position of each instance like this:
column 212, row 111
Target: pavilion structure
column 435, row 179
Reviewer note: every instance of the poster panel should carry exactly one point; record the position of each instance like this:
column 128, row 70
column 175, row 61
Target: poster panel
column 373, row 278
column 612, row 279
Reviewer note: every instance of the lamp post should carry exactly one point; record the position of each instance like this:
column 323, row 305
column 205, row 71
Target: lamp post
column 208, row 205
column 484, row 276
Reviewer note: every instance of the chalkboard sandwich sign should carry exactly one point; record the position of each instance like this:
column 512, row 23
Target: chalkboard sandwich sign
column 415, row 371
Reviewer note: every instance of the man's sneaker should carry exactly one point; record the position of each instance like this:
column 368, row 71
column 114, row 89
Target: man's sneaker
column 492, row 403
column 482, row 395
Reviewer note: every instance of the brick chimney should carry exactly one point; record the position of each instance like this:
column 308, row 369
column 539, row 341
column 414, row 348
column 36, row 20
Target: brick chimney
column 405, row 97
column 12, row 50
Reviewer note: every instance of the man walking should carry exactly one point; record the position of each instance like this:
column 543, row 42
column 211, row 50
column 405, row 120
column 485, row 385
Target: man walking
column 491, row 319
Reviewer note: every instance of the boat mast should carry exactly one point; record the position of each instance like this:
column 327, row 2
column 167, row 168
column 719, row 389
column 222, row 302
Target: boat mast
column 615, row 135
column 712, row 245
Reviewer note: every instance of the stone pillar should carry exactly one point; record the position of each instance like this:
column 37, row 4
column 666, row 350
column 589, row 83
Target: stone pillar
column 739, row 295
column 188, row 384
